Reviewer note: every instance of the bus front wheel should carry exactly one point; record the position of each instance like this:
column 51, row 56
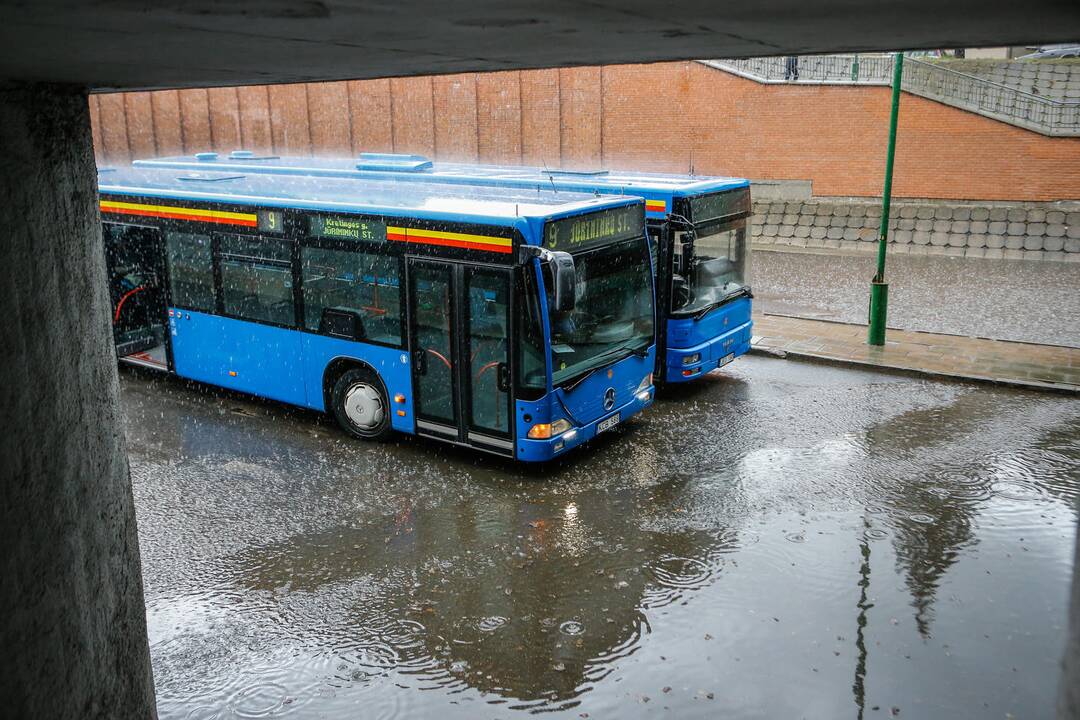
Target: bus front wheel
column 361, row 406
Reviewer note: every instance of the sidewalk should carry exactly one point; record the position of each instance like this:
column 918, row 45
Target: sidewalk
column 970, row 358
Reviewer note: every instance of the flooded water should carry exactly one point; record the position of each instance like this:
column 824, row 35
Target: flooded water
column 783, row 540
column 1022, row 300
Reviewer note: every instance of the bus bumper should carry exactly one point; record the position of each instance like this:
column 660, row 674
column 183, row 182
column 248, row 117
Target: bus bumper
column 687, row 364
column 541, row 450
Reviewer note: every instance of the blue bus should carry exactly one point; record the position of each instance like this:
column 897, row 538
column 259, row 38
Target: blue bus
column 519, row 324
column 698, row 230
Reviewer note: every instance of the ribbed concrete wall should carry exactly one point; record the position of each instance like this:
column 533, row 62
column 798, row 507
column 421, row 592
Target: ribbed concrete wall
column 665, row 117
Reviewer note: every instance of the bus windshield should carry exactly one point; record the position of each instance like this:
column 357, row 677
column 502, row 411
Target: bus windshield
column 719, row 267
column 613, row 311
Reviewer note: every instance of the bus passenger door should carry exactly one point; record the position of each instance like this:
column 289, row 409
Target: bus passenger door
column 134, row 260
column 460, row 342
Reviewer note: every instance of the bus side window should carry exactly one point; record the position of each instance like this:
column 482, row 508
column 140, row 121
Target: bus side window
column 256, row 279
column 366, row 284
column 191, row 272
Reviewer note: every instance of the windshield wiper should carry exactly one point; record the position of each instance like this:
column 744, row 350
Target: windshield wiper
column 730, row 296
column 577, row 380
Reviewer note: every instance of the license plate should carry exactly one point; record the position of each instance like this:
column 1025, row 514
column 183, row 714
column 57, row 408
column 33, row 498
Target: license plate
column 725, row 360
column 608, row 423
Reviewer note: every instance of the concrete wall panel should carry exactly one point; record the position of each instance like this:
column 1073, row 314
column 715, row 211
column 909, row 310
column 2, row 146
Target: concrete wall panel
column 581, row 107
column 541, row 134
column 331, row 118
column 255, row 131
column 372, row 120
column 289, row 119
column 413, row 115
column 114, row 139
column 165, row 105
column 195, row 120
column 498, row 101
column 224, row 118
column 456, row 132
column 139, row 114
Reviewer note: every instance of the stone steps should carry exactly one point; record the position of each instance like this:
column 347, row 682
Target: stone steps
column 1022, row 232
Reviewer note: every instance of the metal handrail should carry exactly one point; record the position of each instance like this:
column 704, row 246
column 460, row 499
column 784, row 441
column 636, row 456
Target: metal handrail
column 984, row 81
column 931, row 80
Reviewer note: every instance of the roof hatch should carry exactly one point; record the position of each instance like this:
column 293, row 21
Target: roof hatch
column 391, row 161
column 588, row 173
column 207, row 177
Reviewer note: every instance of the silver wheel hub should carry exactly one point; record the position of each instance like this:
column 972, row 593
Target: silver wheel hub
column 363, row 406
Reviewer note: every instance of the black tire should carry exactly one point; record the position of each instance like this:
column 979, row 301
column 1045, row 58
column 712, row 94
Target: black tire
column 370, row 387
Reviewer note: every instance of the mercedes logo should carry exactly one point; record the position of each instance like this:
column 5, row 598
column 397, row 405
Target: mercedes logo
column 609, row 398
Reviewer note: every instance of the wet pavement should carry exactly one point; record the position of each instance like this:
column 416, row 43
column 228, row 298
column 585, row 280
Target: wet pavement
column 781, row 540
column 1024, row 300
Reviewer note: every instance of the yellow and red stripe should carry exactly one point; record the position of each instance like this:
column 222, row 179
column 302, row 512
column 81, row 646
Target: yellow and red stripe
column 219, row 217
column 656, row 205
column 488, row 243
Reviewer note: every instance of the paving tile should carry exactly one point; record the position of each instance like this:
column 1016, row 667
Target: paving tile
column 976, row 358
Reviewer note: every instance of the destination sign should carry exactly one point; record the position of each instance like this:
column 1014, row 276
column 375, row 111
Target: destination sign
column 720, row 205
column 346, row 227
column 598, row 228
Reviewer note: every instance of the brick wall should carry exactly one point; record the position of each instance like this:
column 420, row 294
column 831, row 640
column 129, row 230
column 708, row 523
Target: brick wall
column 663, row 117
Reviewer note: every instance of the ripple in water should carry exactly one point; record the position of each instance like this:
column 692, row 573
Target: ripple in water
column 921, row 518
column 259, row 700
column 1019, row 491
column 681, row 572
column 875, row 534
column 572, row 627
column 491, row 624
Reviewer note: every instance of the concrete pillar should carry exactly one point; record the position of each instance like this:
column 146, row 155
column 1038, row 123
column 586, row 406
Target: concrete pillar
column 72, row 618
column 1069, row 692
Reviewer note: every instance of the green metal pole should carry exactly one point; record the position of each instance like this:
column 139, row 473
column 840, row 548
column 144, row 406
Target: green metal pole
column 879, row 289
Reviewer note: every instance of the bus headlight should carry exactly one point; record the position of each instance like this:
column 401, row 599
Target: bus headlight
column 691, row 359
column 544, row 431
column 645, row 383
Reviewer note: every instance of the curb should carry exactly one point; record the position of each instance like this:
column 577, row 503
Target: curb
column 776, row 353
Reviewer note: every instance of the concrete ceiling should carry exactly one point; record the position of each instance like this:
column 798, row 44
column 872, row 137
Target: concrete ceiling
column 107, row 44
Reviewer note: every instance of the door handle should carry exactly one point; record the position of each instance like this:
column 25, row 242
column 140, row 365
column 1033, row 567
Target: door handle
column 503, row 377
column 420, row 361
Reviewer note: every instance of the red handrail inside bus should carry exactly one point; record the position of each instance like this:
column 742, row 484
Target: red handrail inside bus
column 441, row 357
column 119, row 305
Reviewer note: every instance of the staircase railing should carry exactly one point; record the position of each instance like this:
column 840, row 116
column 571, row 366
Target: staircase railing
column 929, row 80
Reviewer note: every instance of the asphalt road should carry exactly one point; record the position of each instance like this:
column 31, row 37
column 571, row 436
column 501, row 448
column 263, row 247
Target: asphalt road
column 782, row 540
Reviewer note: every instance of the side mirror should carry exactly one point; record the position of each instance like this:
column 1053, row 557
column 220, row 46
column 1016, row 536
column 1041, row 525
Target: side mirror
column 564, row 276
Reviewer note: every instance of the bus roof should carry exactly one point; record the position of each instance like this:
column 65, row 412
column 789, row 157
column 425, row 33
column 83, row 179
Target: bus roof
column 512, row 207
column 655, row 187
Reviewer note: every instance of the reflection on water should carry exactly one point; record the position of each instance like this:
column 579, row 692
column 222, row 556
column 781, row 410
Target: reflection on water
column 783, row 540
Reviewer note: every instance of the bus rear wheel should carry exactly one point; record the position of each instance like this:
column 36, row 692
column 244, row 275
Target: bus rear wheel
column 361, row 406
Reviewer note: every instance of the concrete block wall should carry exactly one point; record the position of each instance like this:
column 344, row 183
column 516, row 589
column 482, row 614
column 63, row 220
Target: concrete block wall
column 1027, row 231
